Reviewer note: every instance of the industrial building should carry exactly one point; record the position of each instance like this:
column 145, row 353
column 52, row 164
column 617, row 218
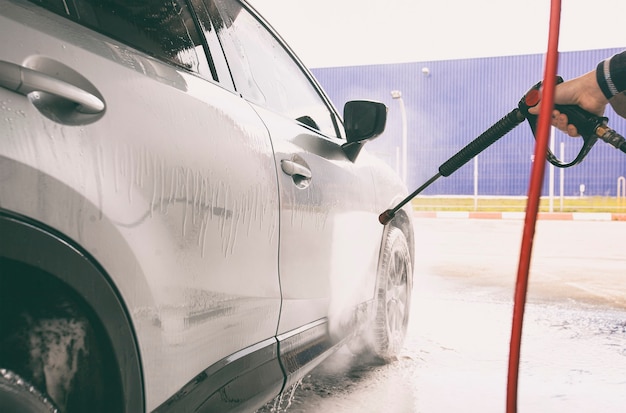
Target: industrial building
column 440, row 106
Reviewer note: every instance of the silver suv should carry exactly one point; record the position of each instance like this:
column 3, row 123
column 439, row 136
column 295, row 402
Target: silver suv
column 186, row 222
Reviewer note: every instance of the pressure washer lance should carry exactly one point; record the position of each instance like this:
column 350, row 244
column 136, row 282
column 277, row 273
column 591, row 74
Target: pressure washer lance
column 590, row 127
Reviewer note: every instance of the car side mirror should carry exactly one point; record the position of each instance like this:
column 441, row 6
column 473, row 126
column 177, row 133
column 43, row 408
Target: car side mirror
column 363, row 120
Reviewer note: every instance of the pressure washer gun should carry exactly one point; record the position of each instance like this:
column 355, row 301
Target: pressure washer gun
column 590, row 127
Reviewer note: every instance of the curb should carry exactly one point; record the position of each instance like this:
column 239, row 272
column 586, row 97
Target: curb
column 554, row 216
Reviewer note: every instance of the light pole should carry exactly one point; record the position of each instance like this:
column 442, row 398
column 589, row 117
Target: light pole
column 396, row 94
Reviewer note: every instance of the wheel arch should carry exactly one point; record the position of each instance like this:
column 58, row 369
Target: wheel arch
column 32, row 244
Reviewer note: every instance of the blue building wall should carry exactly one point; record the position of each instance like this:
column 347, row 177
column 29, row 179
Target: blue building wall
column 460, row 99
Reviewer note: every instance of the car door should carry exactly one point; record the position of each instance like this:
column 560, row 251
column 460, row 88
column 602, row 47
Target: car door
column 145, row 156
column 329, row 234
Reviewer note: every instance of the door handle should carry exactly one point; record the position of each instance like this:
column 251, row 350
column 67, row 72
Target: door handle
column 23, row 80
column 295, row 169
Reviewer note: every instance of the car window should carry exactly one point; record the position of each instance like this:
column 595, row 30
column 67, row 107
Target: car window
column 265, row 72
column 164, row 29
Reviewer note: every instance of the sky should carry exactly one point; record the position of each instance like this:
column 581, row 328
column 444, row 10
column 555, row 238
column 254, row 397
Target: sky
column 330, row 33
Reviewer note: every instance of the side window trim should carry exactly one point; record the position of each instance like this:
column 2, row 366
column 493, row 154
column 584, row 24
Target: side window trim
column 214, row 50
column 200, row 29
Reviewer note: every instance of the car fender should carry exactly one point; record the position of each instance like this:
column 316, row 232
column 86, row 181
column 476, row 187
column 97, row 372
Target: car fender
column 33, row 243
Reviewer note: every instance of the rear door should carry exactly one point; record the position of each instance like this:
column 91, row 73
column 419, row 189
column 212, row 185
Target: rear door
column 163, row 174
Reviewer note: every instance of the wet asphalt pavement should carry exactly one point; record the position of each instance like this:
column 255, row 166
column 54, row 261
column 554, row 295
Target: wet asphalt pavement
column 573, row 356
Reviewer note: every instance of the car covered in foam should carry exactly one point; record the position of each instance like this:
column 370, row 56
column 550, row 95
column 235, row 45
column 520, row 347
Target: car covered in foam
column 186, row 221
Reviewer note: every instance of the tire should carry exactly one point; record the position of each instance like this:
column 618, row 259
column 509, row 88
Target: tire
column 393, row 301
column 49, row 340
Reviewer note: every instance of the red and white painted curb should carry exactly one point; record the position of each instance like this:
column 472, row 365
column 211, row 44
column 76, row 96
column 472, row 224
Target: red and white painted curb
column 560, row 216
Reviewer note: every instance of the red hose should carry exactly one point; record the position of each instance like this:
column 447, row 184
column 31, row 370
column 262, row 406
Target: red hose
column 532, row 207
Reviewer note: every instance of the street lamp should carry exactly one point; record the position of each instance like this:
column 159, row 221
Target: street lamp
column 396, row 94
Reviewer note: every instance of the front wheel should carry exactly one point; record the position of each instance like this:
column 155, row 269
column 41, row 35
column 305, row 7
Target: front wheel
column 393, row 301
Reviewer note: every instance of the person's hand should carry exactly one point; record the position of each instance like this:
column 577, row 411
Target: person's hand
column 582, row 91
